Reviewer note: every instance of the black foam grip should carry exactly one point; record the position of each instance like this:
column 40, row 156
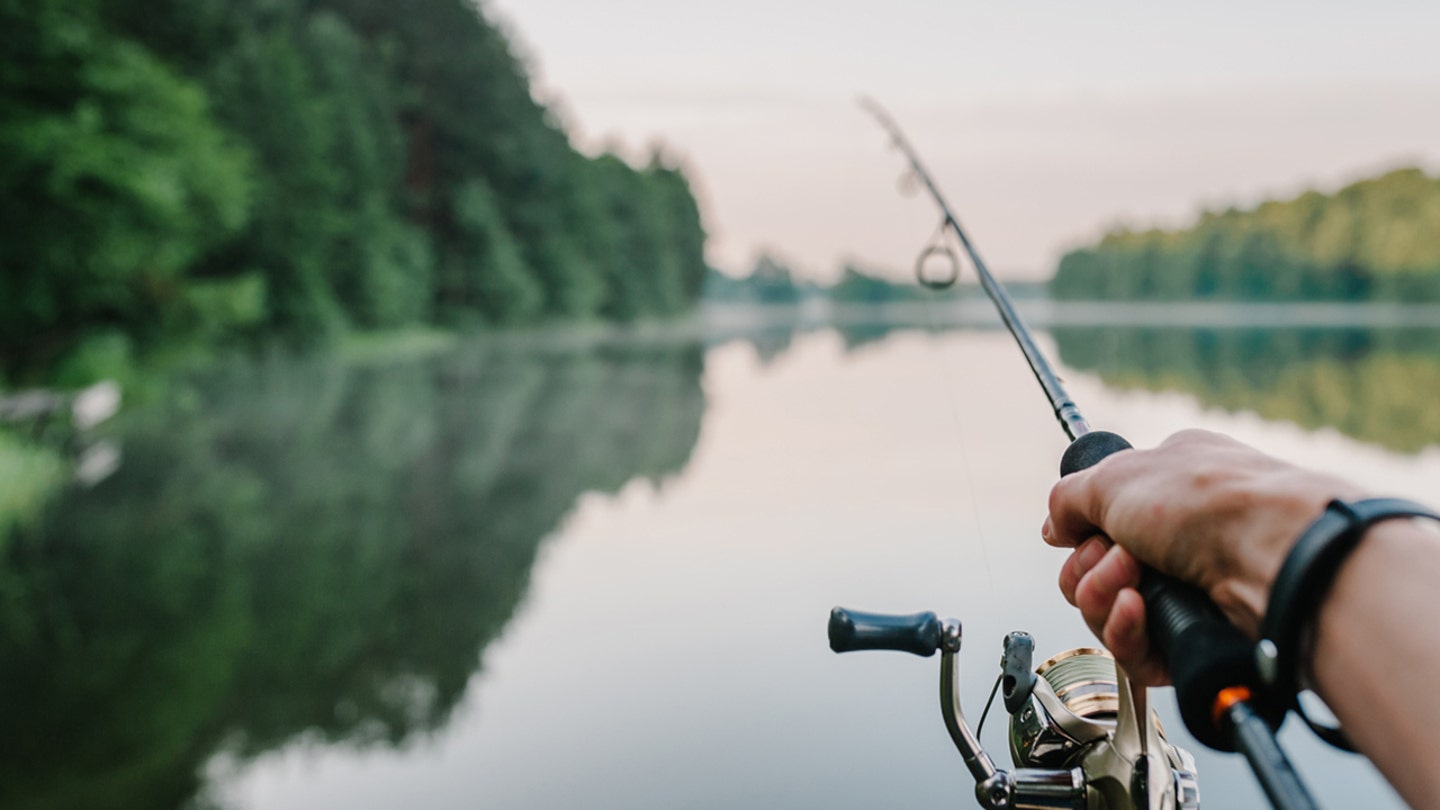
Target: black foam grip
column 1088, row 450
column 851, row 630
column 1204, row 652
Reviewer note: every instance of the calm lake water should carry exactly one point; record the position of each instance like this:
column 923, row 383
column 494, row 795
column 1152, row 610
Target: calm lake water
column 555, row 573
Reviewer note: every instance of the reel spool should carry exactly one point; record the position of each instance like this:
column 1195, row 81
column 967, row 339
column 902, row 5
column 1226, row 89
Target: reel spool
column 1077, row 705
column 1084, row 680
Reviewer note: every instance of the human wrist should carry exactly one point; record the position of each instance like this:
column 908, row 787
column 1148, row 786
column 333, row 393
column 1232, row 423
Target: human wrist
column 1306, row 581
column 1381, row 552
column 1373, row 659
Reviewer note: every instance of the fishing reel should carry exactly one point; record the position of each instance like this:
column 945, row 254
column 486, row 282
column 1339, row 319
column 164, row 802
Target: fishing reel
column 1077, row 739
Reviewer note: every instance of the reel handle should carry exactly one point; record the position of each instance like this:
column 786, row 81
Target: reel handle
column 915, row 633
column 1204, row 652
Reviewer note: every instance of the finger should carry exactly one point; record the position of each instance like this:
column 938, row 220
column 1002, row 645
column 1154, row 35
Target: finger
column 1079, row 563
column 1079, row 501
column 1126, row 636
column 1075, row 507
column 1045, row 530
column 1095, row 594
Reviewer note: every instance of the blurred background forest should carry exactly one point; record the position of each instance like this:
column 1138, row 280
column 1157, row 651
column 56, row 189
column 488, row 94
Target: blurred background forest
column 182, row 176
column 1376, row 239
column 203, row 172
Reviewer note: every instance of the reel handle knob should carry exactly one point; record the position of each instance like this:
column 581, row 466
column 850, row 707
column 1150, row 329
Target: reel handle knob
column 915, row 633
column 1204, row 652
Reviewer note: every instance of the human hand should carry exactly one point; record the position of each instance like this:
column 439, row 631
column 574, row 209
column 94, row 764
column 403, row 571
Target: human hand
column 1201, row 507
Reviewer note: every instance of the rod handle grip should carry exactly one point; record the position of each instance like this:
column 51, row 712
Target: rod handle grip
column 1203, row 651
column 915, row 633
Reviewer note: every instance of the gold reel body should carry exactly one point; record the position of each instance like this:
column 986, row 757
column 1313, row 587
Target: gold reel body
column 1070, row 721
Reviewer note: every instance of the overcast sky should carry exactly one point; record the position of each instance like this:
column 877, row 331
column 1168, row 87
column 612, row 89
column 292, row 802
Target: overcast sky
column 1045, row 122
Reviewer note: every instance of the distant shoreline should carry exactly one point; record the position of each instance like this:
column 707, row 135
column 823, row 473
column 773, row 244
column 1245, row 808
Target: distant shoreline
column 716, row 323
column 1045, row 313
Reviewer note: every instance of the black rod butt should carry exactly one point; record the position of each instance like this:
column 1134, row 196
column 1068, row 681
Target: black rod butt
column 1256, row 740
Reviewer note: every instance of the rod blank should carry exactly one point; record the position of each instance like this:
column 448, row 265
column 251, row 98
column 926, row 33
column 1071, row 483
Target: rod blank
column 1066, row 411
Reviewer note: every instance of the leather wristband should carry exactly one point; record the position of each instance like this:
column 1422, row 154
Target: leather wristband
column 1302, row 584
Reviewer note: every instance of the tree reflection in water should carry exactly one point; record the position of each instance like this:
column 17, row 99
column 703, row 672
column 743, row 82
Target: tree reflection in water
column 1377, row 385
column 299, row 547
column 304, row 548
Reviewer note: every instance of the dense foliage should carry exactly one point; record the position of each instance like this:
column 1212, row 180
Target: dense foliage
column 204, row 170
column 1375, row 239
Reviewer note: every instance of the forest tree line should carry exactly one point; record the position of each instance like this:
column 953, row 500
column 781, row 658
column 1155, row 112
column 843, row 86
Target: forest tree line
column 772, row 282
column 1372, row 240
column 208, row 172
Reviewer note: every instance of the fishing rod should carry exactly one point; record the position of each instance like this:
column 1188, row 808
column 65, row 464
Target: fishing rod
column 1081, row 735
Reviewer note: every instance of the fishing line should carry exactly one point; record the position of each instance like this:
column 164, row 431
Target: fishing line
column 939, row 246
column 990, row 701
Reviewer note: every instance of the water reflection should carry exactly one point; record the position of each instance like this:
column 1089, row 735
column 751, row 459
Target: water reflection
column 774, row 340
column 308, row 550
column 303, row 548
column 1373, row 383
column 1376, row 385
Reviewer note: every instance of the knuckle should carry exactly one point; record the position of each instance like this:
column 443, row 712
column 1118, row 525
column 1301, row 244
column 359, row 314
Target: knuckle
column 1060, row 493
column 1189, row 436
column 1231, row 498
column 1207, row 478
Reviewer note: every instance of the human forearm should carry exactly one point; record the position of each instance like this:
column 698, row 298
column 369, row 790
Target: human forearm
column 1377, row 652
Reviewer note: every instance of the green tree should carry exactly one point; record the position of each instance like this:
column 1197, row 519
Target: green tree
column 859, row 286
column 206, row 170
column 773, row 282
column 115, row 180
column 484, row 273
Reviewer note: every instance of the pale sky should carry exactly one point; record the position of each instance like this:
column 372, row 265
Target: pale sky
column 1045, row 122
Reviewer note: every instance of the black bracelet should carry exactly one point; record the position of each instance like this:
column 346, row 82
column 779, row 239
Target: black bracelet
column 1302, row 584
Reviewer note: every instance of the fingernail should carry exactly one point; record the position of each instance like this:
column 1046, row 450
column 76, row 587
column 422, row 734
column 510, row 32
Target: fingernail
column 1089, row 553
column 1045, row 530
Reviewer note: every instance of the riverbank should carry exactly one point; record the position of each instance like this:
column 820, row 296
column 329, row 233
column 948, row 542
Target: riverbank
column 1043, row 313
